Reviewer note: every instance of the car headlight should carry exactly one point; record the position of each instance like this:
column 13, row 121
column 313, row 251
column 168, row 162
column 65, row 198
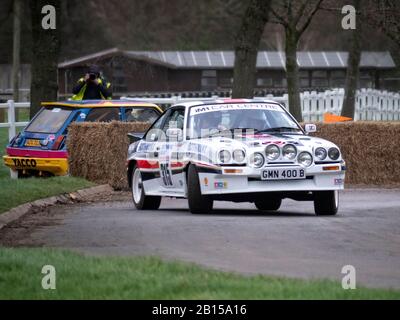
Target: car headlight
column 224, row 156
column 305, row 159
column 257, row 160
column 132, row 148
column 238, row 155
column 320, row 153
column 289, row 151
column 334, row 153
column 272, row 152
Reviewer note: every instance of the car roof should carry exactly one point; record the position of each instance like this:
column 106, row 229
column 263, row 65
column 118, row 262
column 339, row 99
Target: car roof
column 223, row 101
column 101, row 104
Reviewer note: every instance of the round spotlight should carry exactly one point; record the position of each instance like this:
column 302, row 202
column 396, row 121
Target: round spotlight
column 257, row 160
column 289, row 151
column 224, row 156
column 334, row 153
column 272, row 152
column 305, row 159
column 239, row 155
column 320, row 153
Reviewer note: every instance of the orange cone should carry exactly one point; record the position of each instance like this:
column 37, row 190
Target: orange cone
column 332, row 118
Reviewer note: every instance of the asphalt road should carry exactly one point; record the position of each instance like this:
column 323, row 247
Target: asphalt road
column 236, row 237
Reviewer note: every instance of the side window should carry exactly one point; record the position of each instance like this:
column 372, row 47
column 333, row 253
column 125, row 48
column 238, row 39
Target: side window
column 175, row 120
column 148, row 115
column 103, row 115
column 154, row 132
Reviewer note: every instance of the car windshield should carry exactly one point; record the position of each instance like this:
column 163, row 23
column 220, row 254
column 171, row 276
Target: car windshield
column 141, row 115
column 49, row 120
column 209, row 120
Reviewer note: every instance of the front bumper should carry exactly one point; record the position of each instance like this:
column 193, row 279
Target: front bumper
column 56, row 166
column 317, row 179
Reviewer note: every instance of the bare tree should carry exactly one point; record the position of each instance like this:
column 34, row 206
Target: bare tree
column 295, row 16
column 353, row 66
column 384, row 15
column 45, row 51
column 16, row 48
column 246, row 48
column 4, row 16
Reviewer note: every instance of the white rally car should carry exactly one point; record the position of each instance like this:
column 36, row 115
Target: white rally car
column 233, row 150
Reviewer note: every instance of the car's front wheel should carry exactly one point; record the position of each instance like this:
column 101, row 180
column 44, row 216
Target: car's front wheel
column 197, row 202
column 326, row 203
column 268, row 203
column 140, row 200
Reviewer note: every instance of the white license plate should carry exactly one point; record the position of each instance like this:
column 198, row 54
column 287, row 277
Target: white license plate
column 283, row 174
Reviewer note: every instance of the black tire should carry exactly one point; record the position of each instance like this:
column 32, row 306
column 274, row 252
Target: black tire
column 268, row 204
column 143, row 202
column 326, row 203
column 197, row 202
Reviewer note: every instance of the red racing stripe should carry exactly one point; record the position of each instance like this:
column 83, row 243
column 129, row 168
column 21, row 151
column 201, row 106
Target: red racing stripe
column 145, row 164
column 19, row 152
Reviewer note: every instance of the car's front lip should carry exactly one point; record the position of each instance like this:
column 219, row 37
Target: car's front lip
column 316, row 168
column 249, row 180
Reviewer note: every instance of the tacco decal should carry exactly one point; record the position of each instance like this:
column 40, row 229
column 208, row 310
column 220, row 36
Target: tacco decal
column 25, row 163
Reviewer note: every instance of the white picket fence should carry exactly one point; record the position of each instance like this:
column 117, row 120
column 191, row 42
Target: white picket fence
column 371, row 105
column 12, row 125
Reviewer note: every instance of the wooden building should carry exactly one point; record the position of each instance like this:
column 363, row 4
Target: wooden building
column 140, row 72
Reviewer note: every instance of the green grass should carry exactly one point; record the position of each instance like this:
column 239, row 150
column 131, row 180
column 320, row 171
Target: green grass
column 4, row 171
column 88, row 277
column 16, row 192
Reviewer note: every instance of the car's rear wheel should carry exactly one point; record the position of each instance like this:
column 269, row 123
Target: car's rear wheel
column 268, row 204
column 140, row 200
column 197, row 202
column 326, row 203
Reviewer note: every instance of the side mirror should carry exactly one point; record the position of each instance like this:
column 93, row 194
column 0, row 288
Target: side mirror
column 310, row 127
column 174, row 133
column 135, row 136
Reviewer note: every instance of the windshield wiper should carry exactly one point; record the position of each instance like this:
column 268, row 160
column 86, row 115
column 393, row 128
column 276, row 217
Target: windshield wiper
column 278, row 129
column 231, row 130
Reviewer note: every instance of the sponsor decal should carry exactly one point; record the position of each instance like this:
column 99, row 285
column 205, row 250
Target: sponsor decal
column 166, row 174
column 225, row 107
column 339, row 182
column 220, row 184
column 144, row 147
column 206, row 181
column 31, row 163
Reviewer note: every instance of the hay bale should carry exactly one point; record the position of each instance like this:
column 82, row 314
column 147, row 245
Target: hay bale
column 97, row 151
column 371, row 150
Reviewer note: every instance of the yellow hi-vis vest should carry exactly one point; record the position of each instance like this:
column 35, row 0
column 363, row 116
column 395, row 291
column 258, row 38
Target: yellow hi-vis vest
column 80, row 94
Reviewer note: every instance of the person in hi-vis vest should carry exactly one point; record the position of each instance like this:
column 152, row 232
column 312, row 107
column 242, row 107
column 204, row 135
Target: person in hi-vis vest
column 92, row 86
